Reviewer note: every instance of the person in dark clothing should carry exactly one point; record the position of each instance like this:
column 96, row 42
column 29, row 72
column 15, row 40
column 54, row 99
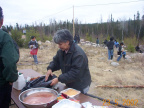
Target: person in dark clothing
column 121, row 52
column 14, row 42
column 8, row 68
column 72, row 61
column 137, row 48
column 76, row 39
column 105, row 42
column 110, row 46
column 97, row 42
column 33, row 45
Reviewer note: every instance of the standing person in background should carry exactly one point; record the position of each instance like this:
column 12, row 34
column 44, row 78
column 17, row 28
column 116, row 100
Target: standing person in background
column 110, row 46
column 8, row 68
column 97, row 42
column 33, row 45
column 78, row 38
column 105, row 42
column 121, row 51
column 72, row 61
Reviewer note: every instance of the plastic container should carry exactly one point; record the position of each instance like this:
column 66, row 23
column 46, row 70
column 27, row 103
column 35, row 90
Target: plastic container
column 20, row 82
column 65, row 103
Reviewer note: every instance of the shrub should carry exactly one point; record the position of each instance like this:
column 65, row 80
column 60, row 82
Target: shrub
column 130, row 42
column 30, row 33
column 108, row 37
column 88, row 37
column 16, row 35
column 131, row 48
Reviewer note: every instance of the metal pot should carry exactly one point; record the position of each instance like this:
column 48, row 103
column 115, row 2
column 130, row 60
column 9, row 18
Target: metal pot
column 28, row 92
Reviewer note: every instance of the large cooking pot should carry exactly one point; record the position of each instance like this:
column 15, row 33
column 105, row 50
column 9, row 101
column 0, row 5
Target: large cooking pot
column 28, row 92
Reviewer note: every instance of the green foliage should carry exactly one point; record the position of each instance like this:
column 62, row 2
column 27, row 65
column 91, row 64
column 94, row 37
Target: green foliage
column 50, row 37
column 47, row 38
column 32, row 32
column 29, row 33
column 108, row 37
column 90, row 32
column 16, row 35
column 88, row 37
column 130, row 40
column 131, row 48
column 130, row 43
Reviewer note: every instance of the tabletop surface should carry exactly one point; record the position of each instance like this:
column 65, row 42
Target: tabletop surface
column 31, row 73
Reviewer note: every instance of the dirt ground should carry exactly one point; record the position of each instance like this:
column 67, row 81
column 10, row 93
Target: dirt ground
column 128, row 72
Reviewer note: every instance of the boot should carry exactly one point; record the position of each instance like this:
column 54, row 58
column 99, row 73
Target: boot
column 111, row 57
column 124, row 57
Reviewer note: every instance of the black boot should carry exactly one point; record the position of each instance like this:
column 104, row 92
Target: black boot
column 111, row 57
column 124, row 57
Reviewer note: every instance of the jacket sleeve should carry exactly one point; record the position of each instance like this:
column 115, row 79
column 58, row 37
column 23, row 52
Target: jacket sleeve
column 29, row 44
column 54, row 65
column 9, row 59
column 107, row 44
column 72, row 75
column 36, row 44
column 120, row 48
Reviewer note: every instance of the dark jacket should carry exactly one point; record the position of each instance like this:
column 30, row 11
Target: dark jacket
column 76, row 39
column 110, row 45
column 119, row 50
column 8, row 59
column 137, row 48
column 97, row 41
column 35, row 43
column 14, row 42
column 105, row 42
column 74, row 67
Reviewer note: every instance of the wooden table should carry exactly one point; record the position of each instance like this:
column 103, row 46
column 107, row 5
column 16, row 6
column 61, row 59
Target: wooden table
column 29, row 72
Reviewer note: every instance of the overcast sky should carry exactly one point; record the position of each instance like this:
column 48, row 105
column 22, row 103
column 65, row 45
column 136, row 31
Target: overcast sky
column 86, row 11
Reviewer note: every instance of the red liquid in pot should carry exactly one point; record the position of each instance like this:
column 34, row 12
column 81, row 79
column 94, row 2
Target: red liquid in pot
column 39, row 98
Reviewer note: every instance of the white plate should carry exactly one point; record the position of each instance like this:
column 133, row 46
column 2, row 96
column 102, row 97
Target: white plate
column 65, row 103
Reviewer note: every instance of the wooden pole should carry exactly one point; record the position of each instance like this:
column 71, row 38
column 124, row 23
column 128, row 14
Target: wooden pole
column 139, row 33
column 121, row 86
column 73, row 23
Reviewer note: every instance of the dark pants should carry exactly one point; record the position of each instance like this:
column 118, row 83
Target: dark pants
column 5, row 95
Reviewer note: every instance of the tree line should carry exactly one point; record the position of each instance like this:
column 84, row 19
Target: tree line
column 119, row 29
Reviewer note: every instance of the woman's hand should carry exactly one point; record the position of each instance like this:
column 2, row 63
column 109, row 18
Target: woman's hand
column 54, row 81
column 48, row 74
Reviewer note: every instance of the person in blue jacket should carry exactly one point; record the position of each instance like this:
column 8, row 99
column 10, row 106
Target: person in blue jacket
column 116, row 44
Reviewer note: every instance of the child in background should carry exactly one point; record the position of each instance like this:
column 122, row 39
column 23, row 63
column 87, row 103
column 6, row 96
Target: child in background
column 121, row 52
column 33, row 45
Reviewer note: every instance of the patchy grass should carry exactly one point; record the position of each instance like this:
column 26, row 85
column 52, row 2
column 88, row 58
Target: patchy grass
column 127, row 73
